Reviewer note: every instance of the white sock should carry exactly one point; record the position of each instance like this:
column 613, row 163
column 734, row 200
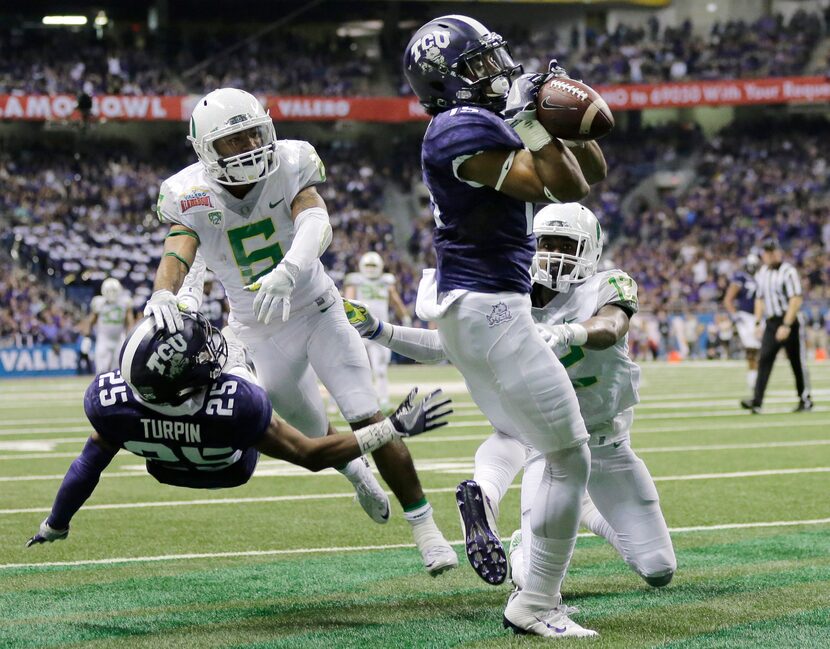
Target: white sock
column 593, row 520
column 423, row 525
column 751, row 377
column 549, row 559
column 497, row 462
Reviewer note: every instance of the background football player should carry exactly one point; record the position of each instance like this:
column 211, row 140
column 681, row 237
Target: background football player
column 376, row 289
column 110, row 317
column 584, row 316
column 250, row 207
column 484, row 175
column 195, row 412
column 739, row 302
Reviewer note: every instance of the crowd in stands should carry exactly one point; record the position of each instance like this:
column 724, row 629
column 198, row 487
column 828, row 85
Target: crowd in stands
column 288, row 62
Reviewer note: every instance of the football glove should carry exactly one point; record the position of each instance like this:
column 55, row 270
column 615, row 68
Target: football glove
column 273, row 288
column 560, row 337
column 166, row 310
column 413, row 418
column 361, row 318
column 521, row 106
column 47, row 534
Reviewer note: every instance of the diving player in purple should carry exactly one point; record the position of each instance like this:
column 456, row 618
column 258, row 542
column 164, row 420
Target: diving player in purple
column 739, row 302
column 195, row 413
column 484, row 174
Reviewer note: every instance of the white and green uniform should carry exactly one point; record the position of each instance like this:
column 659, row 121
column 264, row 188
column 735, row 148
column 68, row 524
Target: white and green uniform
column 375, row 294
column 606, row 380
column 243, row 239
column 623, row 505
column 110, row 328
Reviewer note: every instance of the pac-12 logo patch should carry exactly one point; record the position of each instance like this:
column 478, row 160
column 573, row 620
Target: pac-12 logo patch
column 499, row 314
column 215, row 217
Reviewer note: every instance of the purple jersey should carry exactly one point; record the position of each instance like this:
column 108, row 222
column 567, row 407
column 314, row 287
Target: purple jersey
column 483, row 238
column 202, row 444
column 745, row 301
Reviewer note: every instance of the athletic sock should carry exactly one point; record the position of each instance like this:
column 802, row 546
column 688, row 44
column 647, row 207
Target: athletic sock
column 751, row 377
column 419, row 516
column 549, row 559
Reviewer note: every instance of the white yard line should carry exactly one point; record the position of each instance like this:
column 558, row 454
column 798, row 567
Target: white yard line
column 365, row 548
column 301, row 497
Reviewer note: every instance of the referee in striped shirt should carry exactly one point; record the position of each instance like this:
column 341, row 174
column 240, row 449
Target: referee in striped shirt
column 778, row 301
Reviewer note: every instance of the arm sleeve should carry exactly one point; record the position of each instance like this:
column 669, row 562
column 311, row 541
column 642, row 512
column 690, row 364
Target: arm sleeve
column 166, row 206
column 422, row 345
column 79, row 483
column 310, row 170
column 192, row 291
column 619, row 289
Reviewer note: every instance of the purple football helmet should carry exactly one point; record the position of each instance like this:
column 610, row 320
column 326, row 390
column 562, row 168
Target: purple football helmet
column 455, row 60
column 166, row 368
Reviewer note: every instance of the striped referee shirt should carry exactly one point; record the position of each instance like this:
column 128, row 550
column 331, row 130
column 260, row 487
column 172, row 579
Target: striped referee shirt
column 776, row 286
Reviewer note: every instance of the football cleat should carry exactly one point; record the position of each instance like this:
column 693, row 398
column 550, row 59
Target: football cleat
column 481, row 539
column 438, row 556
column 371, row 495
column 552, row 623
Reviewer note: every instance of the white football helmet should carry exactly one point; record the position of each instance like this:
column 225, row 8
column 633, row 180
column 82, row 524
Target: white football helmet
column 558, row 270
column 110, row 289
column 752, row 263
column 371, row 265
column 225, row 112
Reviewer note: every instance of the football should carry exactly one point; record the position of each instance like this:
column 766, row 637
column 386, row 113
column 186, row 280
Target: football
column 571, row 110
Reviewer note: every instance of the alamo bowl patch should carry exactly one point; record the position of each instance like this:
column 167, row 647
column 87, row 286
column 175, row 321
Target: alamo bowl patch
column 499, row 314
column 196, row 197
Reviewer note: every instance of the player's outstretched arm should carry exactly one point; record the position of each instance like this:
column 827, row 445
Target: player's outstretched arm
column 180, row 247
column 600, row 332
column 412, row 417
column 77, row 486
column 422, row 345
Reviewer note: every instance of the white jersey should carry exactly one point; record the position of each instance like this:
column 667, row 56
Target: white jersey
column 606, row 380
column 243, row 239
column 111, row 315
column 374, row 293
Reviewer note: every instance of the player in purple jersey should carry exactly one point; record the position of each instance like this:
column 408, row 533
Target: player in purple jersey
column 739, row 302
column 196, row 415
column 484, row 174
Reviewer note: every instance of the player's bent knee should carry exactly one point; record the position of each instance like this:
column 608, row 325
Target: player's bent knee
column 657, row 568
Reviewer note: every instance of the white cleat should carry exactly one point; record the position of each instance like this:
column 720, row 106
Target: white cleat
column 551, row 623
column 371, row 495
column 438, row 555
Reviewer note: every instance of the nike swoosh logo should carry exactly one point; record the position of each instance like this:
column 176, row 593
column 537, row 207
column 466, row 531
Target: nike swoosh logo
column 273, row 205
column 553, row 628
column 616, row 444
column 548, row 106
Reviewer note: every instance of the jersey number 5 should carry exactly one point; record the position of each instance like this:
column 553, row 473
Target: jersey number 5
column 264, row 259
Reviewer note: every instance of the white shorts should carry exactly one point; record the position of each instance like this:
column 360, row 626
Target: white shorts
column 333, row 348
column 106, row 353
column 745, row 324
column 512, row 375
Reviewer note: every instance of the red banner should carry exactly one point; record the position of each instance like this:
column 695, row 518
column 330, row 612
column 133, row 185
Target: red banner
column 786, row 90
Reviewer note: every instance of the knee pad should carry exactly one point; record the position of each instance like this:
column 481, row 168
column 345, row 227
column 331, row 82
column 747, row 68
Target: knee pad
column 657, row 568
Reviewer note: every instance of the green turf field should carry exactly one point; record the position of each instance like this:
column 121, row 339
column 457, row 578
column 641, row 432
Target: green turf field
column 290, row 560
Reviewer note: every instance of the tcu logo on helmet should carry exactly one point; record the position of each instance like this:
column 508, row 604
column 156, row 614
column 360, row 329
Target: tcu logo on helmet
column 165, row 352
column 430, row 46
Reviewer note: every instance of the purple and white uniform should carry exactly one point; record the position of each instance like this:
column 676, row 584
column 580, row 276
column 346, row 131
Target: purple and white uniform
column 484, row 245
column 745, row 305
column 205, row 443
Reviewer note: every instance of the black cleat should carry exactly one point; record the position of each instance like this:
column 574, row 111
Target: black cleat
column 484, row 549
column 749, row 404
column 805, row 405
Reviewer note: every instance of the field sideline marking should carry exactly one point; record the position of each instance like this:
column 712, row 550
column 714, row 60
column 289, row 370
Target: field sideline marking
column 364, row 548
column 331, row 496
column 47, row 455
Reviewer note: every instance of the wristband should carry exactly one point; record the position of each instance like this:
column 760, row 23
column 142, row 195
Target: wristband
column 580, row 334
column 370, row 438
column 383, row 334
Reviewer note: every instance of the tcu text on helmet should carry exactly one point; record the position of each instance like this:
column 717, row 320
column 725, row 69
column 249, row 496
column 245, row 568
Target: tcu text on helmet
column 434, row 39
column 165, row 351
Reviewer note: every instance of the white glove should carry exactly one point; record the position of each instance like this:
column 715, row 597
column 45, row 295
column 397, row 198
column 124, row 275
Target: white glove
column 47, row 534
column 560, row 337
column 406, row 321
column 86, row 345
column 164, row 307
column 272, row 289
